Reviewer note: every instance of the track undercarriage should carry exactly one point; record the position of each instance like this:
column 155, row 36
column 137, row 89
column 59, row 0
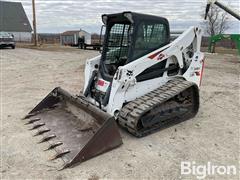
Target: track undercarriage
column 176, row 101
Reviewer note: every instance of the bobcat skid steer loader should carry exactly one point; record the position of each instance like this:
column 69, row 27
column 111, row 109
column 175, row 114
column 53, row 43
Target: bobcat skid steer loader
column 141, row 81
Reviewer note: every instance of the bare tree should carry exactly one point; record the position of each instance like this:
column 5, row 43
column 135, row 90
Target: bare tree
column 216, row 21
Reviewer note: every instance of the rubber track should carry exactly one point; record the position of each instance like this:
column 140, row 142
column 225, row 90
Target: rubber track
column 131, row 113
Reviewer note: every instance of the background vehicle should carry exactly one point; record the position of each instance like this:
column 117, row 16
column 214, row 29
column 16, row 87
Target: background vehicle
column 7, row 40
column 86, row 41
column 141, row 80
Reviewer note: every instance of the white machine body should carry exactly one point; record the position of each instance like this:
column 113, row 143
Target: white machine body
column 125, row 88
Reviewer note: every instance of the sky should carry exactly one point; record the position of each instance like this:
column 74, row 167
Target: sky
column 56, row 16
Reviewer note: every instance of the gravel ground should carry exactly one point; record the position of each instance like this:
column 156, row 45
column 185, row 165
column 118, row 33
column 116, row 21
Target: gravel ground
column 212, row 136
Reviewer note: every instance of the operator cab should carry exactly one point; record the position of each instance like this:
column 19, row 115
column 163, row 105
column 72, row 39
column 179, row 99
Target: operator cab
column 130, row 36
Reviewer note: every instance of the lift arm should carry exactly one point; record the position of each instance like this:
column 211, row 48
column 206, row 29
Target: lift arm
column 222, row 6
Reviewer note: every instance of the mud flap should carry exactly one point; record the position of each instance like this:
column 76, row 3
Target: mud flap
column 74, row 128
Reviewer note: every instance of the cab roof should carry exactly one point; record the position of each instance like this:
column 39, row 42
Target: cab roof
column 132, row 17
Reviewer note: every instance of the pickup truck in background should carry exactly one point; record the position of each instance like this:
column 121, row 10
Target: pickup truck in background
column 7, row 40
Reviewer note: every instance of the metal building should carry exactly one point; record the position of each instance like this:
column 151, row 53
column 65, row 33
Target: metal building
column 13, row 19
column 71, row 37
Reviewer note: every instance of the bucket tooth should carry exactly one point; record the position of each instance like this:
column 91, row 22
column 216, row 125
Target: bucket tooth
column 37, row 126
column 60, row 154
column 53, row 145
column 32, row 121
column 42, row 131
column 28, row 116
column 47, row 138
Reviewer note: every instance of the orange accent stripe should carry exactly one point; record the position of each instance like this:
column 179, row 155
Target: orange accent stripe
column 157, row 53
column 202, row 71
column 154, row 55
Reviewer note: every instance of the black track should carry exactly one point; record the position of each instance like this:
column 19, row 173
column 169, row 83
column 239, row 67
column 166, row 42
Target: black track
column 172, row 103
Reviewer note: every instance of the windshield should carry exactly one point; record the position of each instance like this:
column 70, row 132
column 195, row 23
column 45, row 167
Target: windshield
column 5, row 34
column 117, row 47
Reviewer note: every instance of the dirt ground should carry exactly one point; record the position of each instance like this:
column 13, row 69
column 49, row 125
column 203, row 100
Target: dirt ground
column 27, row 75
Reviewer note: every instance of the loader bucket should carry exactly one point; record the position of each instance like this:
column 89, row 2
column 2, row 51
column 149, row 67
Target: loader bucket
column 74, row 128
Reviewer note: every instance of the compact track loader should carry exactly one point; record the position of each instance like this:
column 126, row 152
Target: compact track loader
column 141, row 81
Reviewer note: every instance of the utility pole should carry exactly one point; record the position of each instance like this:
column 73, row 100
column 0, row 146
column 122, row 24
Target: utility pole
column 34, row 24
